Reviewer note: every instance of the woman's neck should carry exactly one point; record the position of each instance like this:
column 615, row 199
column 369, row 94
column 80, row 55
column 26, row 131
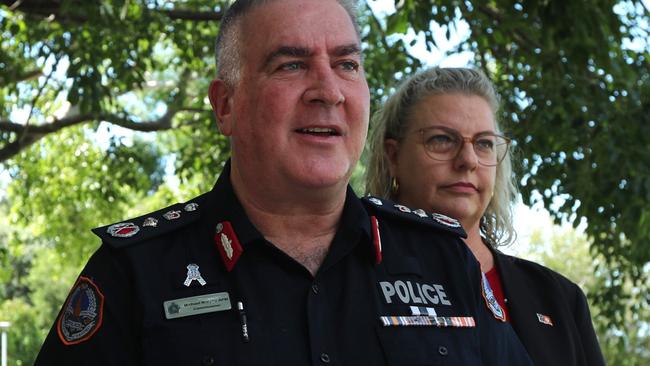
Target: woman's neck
column 479, row 248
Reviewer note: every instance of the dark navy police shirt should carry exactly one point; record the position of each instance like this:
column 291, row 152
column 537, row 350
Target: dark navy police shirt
column 396, row 288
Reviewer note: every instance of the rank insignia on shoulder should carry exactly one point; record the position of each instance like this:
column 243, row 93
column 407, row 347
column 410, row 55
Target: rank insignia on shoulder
column 419, row 215
column 544, row 319
column 82, row 313
column 490, row 300
column 445, row 220
column 123, row 230
column 176, row 216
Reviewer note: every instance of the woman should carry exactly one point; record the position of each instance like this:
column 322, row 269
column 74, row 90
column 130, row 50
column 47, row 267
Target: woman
column 437, row 146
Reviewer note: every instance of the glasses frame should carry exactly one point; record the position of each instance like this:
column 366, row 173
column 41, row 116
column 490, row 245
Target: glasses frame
column 464, row 139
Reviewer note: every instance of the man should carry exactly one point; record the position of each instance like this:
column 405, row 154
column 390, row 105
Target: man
column 280, row 263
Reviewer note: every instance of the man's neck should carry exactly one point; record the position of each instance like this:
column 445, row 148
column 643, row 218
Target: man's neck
column 300, row 223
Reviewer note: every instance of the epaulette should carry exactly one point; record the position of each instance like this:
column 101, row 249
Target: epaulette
column 436, row 220
column 150, row 225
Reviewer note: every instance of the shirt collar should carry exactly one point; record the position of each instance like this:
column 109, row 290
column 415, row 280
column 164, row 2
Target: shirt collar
column 223, row 207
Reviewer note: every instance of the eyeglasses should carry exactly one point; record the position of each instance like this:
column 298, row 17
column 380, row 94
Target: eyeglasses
column 444, row 144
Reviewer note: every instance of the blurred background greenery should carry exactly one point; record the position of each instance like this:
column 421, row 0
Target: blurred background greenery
column 103, row 115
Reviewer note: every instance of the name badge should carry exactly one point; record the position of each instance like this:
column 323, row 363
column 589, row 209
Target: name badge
column 195, row 305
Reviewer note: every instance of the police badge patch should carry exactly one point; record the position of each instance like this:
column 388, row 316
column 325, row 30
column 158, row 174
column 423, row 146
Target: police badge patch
column 490, row 300
column 82, row 313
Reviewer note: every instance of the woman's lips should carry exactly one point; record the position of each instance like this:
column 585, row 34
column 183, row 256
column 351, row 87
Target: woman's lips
column 462, row 187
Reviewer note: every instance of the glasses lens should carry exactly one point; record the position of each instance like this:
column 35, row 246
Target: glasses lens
column 440, row 144
column 490, row 149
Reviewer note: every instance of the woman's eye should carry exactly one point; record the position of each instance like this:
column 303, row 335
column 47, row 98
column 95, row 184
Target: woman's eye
column 440, row 140
column 485, row 144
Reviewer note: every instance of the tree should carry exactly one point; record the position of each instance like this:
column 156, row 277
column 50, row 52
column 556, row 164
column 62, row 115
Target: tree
column 566, row 250
column 75, row 75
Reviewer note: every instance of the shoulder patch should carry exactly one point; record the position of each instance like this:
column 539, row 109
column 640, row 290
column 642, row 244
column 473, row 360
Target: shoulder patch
column 391, row 209
column 82, row 313
column 153, row 224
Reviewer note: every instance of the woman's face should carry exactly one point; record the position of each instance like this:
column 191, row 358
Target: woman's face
column 461, row 187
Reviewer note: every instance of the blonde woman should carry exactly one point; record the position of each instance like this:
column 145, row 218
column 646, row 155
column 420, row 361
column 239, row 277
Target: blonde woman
column 437, row 146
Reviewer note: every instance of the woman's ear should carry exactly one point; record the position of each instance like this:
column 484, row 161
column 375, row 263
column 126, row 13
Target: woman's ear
column 391, row 150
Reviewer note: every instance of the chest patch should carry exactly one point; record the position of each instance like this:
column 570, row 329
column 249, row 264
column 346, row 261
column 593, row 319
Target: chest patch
column 407, row 292
column 490, row 300
column 82, row 313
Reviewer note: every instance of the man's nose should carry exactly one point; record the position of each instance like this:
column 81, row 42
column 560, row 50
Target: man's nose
column 324, row 88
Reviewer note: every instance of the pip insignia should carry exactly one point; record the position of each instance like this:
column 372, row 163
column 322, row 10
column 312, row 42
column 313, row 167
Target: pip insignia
column 420, row 212
column 376, row 201
column 403, row 208
column 192, row 206
column 150, row 221
column 172, row 215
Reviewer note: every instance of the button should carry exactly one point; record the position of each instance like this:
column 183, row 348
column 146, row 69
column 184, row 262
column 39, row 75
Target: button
column 443, row 351
column 314, row 288
column 325, row 357
column 208, row 360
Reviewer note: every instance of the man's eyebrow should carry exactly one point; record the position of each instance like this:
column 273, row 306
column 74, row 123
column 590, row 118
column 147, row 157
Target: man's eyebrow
column 347, row 50
column 287, row 51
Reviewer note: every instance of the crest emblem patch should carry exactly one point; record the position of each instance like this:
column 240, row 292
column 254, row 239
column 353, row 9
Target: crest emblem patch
column 490, row 300
column 82, row 313
column 123, row 230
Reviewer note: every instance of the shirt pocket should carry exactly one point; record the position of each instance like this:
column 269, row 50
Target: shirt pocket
column 426, row 346
column 207, row 339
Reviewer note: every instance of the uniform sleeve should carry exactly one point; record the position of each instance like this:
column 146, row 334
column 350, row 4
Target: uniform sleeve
column 582, row 316
column 97, row 324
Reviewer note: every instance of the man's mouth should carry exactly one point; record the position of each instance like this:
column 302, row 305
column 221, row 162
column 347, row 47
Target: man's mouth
column 319, row 131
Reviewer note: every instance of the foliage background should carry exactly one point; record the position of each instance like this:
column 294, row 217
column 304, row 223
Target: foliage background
column 103, row 116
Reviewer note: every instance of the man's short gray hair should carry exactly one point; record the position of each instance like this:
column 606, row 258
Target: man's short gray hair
column 392, row 121
column 228, row 45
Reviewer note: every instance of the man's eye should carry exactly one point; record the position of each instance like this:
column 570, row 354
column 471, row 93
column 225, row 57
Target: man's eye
column 349, row 65
column 291, row 66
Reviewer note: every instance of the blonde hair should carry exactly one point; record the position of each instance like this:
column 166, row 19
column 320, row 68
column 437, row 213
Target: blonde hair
column 391, row 122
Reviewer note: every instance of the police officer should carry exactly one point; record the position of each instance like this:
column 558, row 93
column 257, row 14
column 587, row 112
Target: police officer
column 281, row 263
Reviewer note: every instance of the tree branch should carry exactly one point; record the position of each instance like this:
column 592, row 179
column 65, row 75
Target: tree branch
column 521, row 37
column 192, row 15
column 33, row 133
column 48, row 8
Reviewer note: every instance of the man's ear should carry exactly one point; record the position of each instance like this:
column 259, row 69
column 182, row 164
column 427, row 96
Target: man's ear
column 221, row 100
column 391, row 150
